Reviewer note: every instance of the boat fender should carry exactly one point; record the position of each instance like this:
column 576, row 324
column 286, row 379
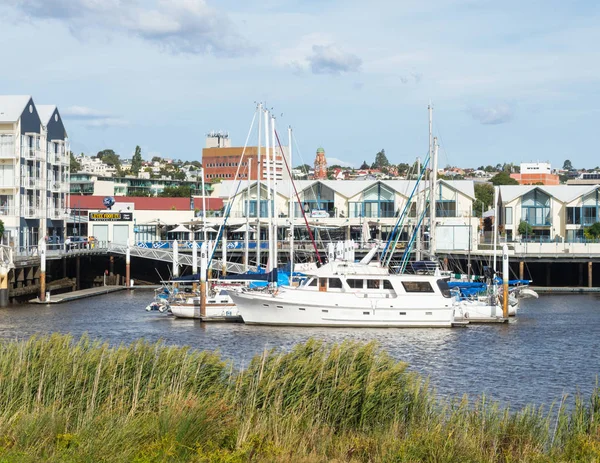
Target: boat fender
column 466, row 315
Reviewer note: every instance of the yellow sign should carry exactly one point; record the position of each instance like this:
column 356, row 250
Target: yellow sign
column 110, row 216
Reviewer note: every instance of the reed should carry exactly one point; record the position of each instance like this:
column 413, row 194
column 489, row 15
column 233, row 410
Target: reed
column 65, row 399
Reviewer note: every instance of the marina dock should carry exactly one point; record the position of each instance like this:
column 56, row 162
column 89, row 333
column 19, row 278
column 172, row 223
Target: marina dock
column 79, row 294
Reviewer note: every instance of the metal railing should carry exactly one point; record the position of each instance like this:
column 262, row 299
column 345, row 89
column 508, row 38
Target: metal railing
column 32, row 183
column 29, row 212
column 7, row 210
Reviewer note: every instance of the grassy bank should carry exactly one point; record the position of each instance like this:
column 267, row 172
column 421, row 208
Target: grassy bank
column 78, row 400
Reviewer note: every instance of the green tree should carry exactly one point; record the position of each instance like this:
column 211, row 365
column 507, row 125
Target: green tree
column 74, row 165
column 304, row 168
column 503, row 178
column 364, row 165
column 156, row 159
column 484, row 197
column 1, row 231
column 525, row 229
column 181, row 191
column 381, row 161
column 403, row 168
column 567, row 165
column 593, row 232
column 136, row 161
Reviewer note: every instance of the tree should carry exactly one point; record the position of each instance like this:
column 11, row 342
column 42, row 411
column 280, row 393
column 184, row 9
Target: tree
column 136, row 161
column 156, row 159
column 181, row 191
column 74, row 165
column 303, row 168
column 1, row 231
column 525, row 229
column 364, row 165
column 503, row 178
column 381, row 161
column 484, row 197
column 567, row 165
column 591, row 233
column 403, row 168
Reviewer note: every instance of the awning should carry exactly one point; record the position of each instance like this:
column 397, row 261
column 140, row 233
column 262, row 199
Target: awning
column 244, row 229
column 180, row 229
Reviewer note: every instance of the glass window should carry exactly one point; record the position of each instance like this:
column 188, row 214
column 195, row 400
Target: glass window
column 354, row 283
column 387, row 284
column 373, row 284
column 444, row 288
column 312, row 282
column 417, row 287
column 335, row 283
column 508, row 215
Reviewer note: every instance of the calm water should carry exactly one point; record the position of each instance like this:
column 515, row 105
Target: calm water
column 551, row 349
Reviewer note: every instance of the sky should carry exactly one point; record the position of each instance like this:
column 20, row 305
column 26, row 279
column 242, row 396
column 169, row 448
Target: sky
column 509, row 81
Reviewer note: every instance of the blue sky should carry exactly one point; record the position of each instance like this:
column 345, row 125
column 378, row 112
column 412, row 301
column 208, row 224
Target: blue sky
column 510, row 81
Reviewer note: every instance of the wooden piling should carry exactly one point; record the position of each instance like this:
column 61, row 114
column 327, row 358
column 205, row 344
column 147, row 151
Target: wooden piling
column 42, row 251
column 590, row 274
column 521, row 270
column 3, row 285
column 128, row 266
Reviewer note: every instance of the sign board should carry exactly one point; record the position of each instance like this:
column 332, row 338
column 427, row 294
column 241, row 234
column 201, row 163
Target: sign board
column 109, row 216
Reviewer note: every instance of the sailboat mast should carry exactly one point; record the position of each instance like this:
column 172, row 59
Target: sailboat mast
column 495, row 224
column 274, row 184
column 246, row 240
column 418, row 214
column 269, row 211
column 291, row 206
column 432, row 208
column 258, row 186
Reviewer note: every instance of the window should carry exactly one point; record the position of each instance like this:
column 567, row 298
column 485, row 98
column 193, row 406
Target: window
column 573, row 215
column 335, row 283
column 312, row 282
column 354, row 283
column 444, row 288
column 373, row 284
column 508, row 215
column 387, row 284
column 417, row 287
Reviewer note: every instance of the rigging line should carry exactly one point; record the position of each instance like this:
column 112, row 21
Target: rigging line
column 299, row 202
column 230, row 202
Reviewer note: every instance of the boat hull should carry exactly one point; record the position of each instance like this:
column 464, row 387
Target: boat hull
column 265, row 309
column 214, row 312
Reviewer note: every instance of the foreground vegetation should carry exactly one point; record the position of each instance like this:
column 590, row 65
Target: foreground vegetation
column 79, row 400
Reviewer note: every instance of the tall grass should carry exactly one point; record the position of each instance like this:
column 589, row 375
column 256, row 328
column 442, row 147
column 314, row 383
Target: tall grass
column 63, row 399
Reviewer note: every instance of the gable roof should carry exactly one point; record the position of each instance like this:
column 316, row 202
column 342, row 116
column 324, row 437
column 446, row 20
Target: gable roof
column 563, row 193
column 45, row 111
column 12, row 106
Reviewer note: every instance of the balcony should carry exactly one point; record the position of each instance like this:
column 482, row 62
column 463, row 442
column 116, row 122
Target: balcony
column 55, row 214
column 32, row 183
column 7, row 151
column 30, row 212
column 54, row 186
column 28, row 152
column 7, row 210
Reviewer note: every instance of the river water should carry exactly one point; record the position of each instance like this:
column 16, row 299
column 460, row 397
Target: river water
column 550, row 349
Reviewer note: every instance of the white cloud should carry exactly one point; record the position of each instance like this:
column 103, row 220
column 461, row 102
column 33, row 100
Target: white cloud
column 93, row 118
column 335, row 161
column 182, row 26
column 330, row 59
column 492, row 115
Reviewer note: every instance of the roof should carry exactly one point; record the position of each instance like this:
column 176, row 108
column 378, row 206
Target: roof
column 12, row 106
column 45, row 112
column 563, row 193
column 142, row 203
column 346, row 188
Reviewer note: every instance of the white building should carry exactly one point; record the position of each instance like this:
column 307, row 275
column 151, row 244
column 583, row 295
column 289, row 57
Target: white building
column 536, row 168
column 34, row 171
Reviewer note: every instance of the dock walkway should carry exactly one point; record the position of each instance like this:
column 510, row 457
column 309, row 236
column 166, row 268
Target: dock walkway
column 80, row 294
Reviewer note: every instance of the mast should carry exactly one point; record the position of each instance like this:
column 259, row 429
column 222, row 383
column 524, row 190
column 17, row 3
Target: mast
column 432, row 208
column 274, row 184
column 203, row 207
column 246, row 251
column 258, row 187
column 291, row 208
column 269, row 211
column 419, row 202
column 495, row 223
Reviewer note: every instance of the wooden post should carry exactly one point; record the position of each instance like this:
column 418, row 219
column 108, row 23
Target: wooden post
column 78, row 272
column 589, row 274
column 522, row 270
column 203, row 265
column 3, row 285
column 175, row 259
column 42, row 251
column 505, row 277
column 224, row 254
column 111, row 266
column 128, row 265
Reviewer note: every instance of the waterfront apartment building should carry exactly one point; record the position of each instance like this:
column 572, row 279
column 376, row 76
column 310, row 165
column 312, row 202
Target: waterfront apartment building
column 555, row 213
column 34, row 171
column 83, row 183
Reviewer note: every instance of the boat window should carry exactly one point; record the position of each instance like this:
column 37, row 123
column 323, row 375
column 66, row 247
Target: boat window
column 354, row 283
column 335, row 283
column 387, row 284
column 312, row 282
column 444, row 288
column 373, row 284
column 417, row 287
column 223, row 292
column 323, row 284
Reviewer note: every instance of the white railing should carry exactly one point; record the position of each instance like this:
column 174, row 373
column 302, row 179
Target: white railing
column 6, row 256
column 7, row 210
column 31, row 183
column 29, row 212
column 27, row 152
column 55, row 214
column 54, row 186
column 7, row 151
